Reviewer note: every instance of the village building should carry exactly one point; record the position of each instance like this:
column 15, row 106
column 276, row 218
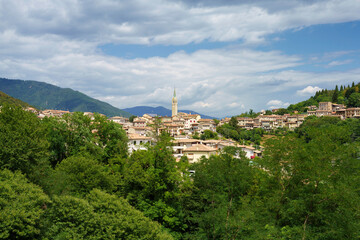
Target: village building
column 195, row 152
column 52, row 113
column 352, row 113
column 120, row 120
column 137, row 142
column 138, row 122
column 206, row 124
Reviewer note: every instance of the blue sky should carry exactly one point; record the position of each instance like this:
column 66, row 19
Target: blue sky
column 223, row 57
column 309, row 42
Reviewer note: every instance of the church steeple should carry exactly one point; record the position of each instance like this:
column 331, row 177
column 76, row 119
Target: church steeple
column 174, row 104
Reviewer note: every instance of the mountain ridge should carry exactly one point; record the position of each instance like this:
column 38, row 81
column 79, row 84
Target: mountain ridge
column 47, row 96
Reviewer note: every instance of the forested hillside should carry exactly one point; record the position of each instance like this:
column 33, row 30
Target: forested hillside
column 348, row 95
column 47, row 96
column 72, row 178
column 6, row 99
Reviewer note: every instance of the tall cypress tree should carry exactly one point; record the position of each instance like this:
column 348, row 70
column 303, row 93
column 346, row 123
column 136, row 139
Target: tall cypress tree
column 335, row 95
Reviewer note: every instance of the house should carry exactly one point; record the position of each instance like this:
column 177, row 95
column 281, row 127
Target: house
column 206, row 124
column 352, row 113
column 195, row 152
column 173, row 129
column 143, row 131
column 249, row 151
column 52, row 113
column 137, row 142
column 325, row 106
column 120, row 120
column 189, row 123
column 320, row 113
column 180, row 144
column 139, row 122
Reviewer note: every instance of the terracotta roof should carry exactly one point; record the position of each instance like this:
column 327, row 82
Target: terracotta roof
column 135, row 136
column 199, row 148
column 212, row 141
column 205, row 120
column 187, row 140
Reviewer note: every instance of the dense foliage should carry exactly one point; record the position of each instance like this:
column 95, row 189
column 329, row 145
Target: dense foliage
column 242, row 135
column 72, row 178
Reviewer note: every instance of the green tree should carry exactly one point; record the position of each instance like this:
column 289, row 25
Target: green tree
column 233, row 122
column 22, row 145
column 22, row 205
column 354, row 100
column 310, row 196
column 349, row 91
column 282, row 111
column 98, row 216
column 223, row 185
column 131, row 118
column 110, row 137
column 335, row 95
column 78, row 175
column 152, row 182
column 77, row 133
column 71, row 135
column 268, row 112
column 208, row 134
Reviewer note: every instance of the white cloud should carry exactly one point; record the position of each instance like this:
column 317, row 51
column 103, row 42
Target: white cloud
column 168, row 22
column 338, row 63
column 56, row 42
column 309, row 90
column 277, row 104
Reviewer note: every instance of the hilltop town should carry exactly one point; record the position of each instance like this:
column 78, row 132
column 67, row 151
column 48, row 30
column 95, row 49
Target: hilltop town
column 185, row 128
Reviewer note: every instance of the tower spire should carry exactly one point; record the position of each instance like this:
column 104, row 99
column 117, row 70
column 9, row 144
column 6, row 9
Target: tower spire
column 174, row 104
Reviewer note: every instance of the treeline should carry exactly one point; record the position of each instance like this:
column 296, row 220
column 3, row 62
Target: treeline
column 231, row 130
column 72, row 178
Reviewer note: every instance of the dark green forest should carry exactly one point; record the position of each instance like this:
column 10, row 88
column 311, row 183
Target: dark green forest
column 72, row 178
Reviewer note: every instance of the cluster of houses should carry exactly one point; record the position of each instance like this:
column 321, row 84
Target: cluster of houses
column 335, row 110
column 183, row 126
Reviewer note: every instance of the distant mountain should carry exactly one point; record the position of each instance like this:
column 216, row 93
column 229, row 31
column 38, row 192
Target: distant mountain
column 6, row 99
column 46, row 96
column 161, row 111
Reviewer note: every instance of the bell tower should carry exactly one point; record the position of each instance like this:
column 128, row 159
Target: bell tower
column 174, row 104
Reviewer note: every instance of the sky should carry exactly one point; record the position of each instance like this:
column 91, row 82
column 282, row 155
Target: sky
column 223, row 57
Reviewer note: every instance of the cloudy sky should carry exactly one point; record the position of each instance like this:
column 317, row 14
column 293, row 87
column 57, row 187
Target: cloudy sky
column 223, row 57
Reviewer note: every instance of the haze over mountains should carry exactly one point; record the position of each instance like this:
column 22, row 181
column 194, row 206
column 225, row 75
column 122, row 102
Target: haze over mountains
column 47, row 96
